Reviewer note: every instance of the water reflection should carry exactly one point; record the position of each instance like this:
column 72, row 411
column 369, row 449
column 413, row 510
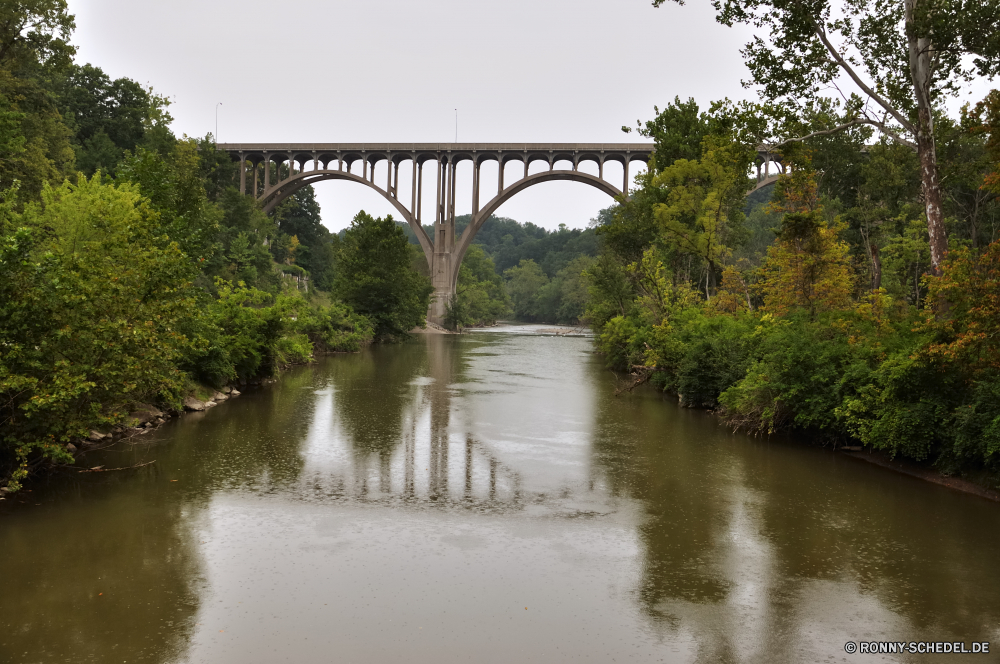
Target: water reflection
column 73, row 590
column 768, row 551
column 483, row 497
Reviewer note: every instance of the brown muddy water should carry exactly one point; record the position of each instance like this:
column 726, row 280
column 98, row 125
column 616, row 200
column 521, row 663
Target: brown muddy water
column 485, row 498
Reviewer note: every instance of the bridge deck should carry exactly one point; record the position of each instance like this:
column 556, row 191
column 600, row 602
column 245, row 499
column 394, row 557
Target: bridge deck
column 438, row 147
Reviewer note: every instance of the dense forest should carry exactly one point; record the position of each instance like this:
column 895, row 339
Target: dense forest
column 857, row 298
column 131, row 269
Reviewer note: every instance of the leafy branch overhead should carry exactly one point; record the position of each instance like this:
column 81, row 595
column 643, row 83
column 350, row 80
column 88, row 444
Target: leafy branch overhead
column 891, row 63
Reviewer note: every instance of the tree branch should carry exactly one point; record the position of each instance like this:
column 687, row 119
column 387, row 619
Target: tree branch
column 824, row 132
column 853, row 123
column 821, row 33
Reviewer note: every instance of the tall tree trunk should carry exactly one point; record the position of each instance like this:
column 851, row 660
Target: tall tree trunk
column 922, row 73
column 876, row 269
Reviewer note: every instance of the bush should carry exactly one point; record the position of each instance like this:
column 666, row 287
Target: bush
column 293, row 349
column 336, row 328
column 91, row 304
column 234, row 337
column 717, row 353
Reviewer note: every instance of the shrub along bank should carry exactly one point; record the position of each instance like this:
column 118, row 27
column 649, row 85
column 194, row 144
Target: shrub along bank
column 838, row 326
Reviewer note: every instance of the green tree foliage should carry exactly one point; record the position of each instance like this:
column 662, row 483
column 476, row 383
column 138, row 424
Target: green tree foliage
column 561, row 299
column 34, row 46
column 901, row 58
column 701, row 213
column 524, row 283
column 90, row 312
column 677, row 131
column 564, row 298
column 116, row 293
column 825, row 318
column 373, row 276
column 174, row 187
column 808, row 267
column 108, row 118
column 30, row 123
column 35, row 33
column 299, row 218
column 482, row 297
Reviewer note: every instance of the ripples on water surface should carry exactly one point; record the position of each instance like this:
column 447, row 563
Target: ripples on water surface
column 484, row 498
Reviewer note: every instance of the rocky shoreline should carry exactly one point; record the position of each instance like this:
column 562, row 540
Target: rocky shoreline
column 148, row 417
column 144, row 419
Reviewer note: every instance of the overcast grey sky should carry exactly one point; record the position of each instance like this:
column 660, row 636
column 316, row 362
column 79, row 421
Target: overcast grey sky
column 395, row 70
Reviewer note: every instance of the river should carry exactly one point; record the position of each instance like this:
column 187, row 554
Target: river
column 484, row 498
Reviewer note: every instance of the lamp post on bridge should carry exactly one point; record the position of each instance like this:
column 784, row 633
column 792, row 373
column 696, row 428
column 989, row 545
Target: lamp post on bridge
column 217, row 122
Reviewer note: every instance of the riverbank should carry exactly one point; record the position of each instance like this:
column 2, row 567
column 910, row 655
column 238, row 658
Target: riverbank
column 432, row 328
column 143, row 420
column 914, row 469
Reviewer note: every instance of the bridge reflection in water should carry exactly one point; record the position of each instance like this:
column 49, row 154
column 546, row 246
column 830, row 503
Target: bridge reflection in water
column 372, row 440
column 407, row 503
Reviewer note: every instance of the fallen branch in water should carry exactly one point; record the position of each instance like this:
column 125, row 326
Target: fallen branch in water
column 638, row 378
column 102, row 469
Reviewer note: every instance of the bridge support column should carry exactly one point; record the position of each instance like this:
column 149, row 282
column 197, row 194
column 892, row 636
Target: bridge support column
column 442, row 267
column 417, row 211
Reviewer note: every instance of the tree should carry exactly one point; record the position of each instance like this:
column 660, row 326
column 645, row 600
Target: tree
column 35, row 32
column 969, row 330
column 572, row 286
column 986, row 118
column 524, row 281
column 481, row 296
column 808, row 268
column 677, row 131
column 90, row 308
column 30, row 123
column 902, row 58
column 373, row 276
column 174, row 188
column 107, row 117
column 701, row 215
column 299, row 217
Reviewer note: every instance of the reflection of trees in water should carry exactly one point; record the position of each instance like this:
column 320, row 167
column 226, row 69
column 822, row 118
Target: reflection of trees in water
column 748, row 542
column 133, row 546
column 926, row 553
column 133, row 549
column 374, row 391
column 681, row 532
column 251, row 443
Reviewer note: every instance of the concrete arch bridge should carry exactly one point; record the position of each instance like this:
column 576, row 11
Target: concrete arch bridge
column 314, row 162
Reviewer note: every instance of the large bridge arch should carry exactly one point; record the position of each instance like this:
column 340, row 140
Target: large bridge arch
column 480, row 218
column 445, row 252
column 282, row 191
